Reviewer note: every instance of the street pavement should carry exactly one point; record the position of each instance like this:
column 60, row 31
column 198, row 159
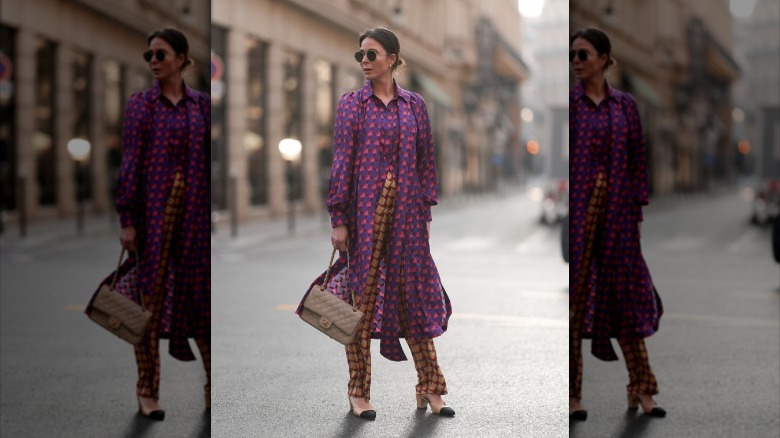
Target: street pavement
column 717, row 353
column 504, row 355
column 60, row 374
column 716, row 356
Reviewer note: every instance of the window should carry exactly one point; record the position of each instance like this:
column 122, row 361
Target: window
column 219, row 139
column 81, row 112
column 324, row 104
column 113, row 107
column 8, row 147
column 43, row 138
column 293, row 99
column 255, row 137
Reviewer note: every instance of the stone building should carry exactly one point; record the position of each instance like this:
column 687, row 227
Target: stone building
column 283, row 64
column 546, row 92
column 66, row 71
column 675, row 57
column 757, row 96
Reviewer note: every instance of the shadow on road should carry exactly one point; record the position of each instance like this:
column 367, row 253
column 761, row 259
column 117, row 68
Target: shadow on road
column 140, row 426
column 634, row 426
column 424, row 424
column 205, row 426
column 351, row 426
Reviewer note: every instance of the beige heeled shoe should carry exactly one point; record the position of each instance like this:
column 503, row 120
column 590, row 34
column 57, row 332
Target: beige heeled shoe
column 158, row 414
column 366, row 414
column 654, row 410
column 443, row 409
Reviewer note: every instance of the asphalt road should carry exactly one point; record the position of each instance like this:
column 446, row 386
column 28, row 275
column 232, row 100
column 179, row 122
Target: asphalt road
column 717, row 353
column 60, row 374
column 504, row 355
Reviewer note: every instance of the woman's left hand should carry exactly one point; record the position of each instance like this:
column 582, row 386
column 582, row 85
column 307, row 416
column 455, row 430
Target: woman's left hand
column 428, row 229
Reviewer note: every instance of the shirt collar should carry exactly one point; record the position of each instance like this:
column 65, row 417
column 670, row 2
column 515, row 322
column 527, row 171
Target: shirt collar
column 189, row 93
column 579, row 91
column 367, row 92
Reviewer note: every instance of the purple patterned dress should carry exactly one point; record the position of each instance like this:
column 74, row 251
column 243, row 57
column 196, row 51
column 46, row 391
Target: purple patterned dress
column 621, row 300
column 158, row 140
column 362, row 157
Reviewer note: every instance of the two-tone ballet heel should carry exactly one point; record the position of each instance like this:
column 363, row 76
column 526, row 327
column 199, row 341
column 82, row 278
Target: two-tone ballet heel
column 366, row 414
column 443, row 409
column 158, row 414
column 654, row 411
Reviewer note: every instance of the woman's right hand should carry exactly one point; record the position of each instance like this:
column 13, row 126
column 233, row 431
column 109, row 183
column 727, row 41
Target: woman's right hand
column 338, row 237
column 127, row 238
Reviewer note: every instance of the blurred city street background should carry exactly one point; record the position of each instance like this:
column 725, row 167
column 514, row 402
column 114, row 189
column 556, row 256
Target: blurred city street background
column 66, row 71
column 504, row 355
column 62, row 375
column 706, row 76
column 705, row 73
column 717, row 353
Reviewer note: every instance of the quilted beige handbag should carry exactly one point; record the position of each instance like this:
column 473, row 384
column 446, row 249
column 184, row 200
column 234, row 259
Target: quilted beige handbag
column 328, row 313
column 119, row 314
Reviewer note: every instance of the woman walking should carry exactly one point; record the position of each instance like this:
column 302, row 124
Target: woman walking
column 163, row 205
column 381, row 190
column 612, row 293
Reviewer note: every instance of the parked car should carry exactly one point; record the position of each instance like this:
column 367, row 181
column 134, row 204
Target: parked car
column 766, row 202
column 555, row 204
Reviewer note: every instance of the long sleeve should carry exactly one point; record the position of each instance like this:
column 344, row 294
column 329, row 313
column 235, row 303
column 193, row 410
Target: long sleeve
column 637, row 165
column 343, row 156
column 130, row 172
column 426, row 164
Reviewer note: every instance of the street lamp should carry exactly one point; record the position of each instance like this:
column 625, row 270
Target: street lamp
column 78, row 148
column 291, row 151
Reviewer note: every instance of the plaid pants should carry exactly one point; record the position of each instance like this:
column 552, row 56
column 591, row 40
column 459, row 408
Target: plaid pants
column 641, row 377
column 430, row 379
column 147, row 352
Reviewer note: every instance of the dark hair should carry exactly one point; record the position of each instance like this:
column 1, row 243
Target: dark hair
column 389, row 42
column 598, row 39
column 176, row 39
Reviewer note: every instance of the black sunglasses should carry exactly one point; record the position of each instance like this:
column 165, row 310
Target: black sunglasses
column 582, row 54
column 370, row 54
column 159, row 54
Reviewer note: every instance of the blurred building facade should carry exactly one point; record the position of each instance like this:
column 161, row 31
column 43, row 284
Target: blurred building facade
column 546, row 92
column 675, row 57
column 66, row 71
column 280, row 66
column 757, row 94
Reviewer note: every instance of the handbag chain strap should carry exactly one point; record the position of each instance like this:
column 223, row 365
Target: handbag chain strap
column 116, row 276
column 327, row 275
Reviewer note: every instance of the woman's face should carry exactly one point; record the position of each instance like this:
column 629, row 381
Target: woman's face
column 381, row 66
column 170, row 65
column 593, row 66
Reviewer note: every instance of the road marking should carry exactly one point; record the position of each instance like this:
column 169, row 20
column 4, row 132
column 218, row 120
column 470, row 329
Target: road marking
column 531, row 241
column 745, row 241
column 734, row 321
column 681, row 244
column 753, row 294
column 75, row 307
column 522, row 321
column 470, row 244
column 232, row 258
column 285, row 307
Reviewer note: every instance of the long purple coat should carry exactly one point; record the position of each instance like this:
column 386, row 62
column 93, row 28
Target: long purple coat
column 357, row 178
column 156, row 142
column 621, row 299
